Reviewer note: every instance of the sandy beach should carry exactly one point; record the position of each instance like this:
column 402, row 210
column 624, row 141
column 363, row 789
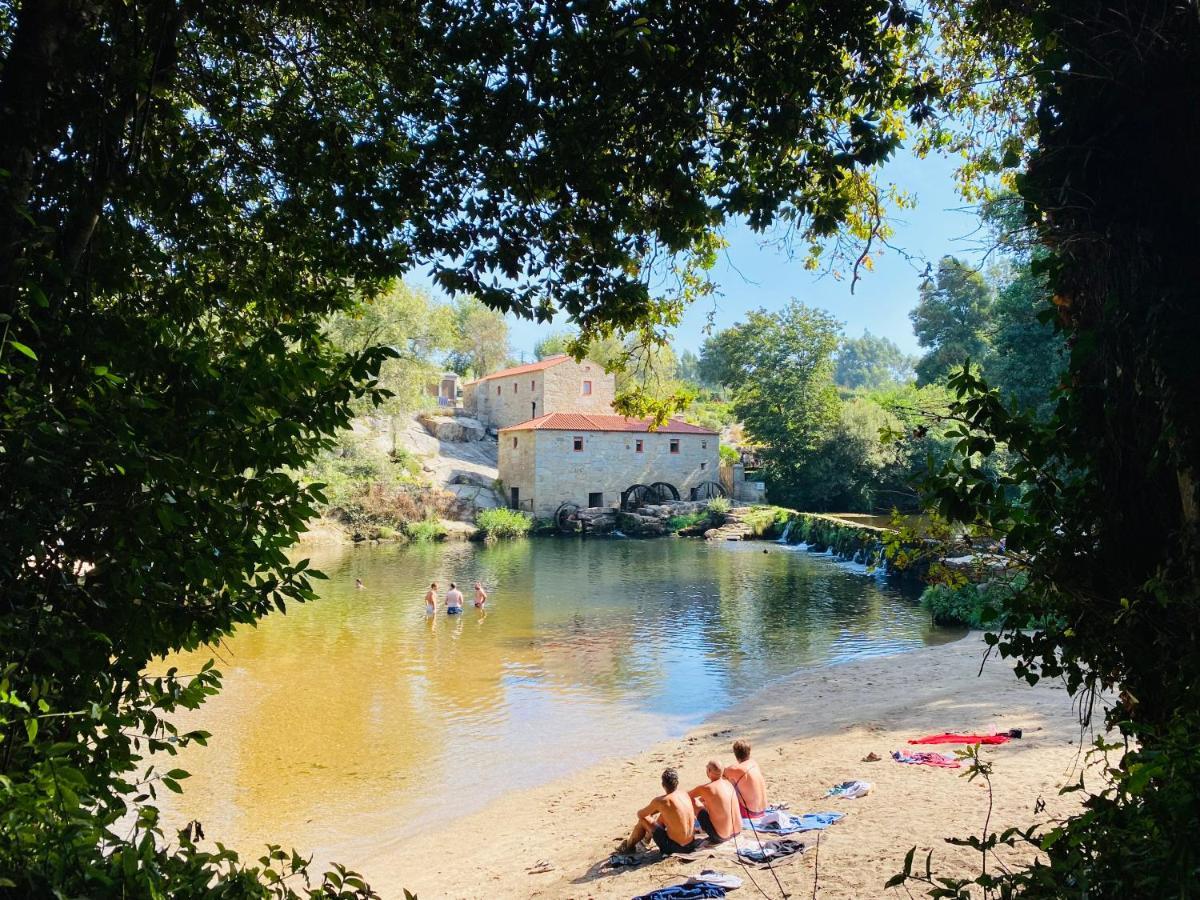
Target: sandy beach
column 809, row 732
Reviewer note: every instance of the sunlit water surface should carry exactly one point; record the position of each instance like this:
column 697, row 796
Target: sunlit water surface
column 352, row 722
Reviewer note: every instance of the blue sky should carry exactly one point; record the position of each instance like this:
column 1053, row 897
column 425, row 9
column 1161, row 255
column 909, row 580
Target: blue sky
column 753, row 274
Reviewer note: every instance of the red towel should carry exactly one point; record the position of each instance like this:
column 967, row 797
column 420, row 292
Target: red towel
column 963, row 739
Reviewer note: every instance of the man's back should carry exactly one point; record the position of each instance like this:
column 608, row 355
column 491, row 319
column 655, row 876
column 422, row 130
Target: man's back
column 678, row 817
column 751, row 789
column 720, row 801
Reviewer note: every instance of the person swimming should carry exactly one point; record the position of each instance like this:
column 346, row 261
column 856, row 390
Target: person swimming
column 358, row 585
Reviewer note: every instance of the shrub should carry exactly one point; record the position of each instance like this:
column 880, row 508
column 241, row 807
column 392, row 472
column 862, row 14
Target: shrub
column 718, row 507
column 728, row 455
column 426, row 530
column 971, row 605
column 678, row 523
column 503, row 523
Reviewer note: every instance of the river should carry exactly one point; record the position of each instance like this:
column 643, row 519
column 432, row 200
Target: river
column 351, row 722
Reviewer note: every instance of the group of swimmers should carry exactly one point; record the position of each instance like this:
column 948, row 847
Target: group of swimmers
column 719, row 805
column 454, row 599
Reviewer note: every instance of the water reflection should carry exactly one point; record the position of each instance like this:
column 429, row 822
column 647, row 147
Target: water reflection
column 349, row 723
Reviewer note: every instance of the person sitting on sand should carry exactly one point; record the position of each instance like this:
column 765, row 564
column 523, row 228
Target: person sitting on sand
column 747, row 780
column 716, row 806
column 480, row 595
column 431, row 599
column 669, row 820
column 454, row 600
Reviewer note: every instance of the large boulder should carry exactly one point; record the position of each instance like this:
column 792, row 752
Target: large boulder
column 453, row 428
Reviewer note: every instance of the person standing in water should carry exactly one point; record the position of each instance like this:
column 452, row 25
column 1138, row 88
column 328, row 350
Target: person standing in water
column 431, row 599
column 454, row 600
column 480, row 595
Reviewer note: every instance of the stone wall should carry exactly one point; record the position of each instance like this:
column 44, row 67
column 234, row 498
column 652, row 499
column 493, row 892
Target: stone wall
column 510, row 400
column 547, row 470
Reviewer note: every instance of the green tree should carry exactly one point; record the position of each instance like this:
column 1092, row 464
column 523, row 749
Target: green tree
column 191, row 189
column 871, row 362
column 1028, row 354
column 781, row 366
column 951, row 319
column 716, row 367
column 688, row 369
column 480, row 338
column 412, row 324
column 553, row 344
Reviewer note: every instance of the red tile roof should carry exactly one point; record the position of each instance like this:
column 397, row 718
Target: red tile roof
column 525, row 369
column 573, row 421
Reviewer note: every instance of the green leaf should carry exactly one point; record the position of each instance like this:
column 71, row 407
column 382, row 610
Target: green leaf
column 22, row 348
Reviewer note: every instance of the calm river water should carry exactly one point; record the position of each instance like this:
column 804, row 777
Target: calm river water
column 350, row 723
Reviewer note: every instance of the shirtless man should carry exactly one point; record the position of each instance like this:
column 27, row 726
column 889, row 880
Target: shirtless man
column 431, row 599
column 747, row 779
column 668, row 819
column 716, row 805
column 480, row 595
column 454, row 600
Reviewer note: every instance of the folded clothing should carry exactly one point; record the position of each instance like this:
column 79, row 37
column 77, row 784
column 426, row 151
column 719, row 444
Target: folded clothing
column 949, row 738
column 780, row 822
column 850, row 790
column 720, row 879
column 689, row 890
column 770, row 852
column 926, row 759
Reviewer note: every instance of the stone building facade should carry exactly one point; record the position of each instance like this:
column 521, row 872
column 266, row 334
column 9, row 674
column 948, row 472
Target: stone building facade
column 591, row 459
column 554, row 384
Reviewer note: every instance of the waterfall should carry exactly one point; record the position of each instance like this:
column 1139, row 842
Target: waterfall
column 783, row 538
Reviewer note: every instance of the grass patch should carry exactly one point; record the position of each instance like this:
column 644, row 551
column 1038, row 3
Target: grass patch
column 503, row 523
column 426, row 530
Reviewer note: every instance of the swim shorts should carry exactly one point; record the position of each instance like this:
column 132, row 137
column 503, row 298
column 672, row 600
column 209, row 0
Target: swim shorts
column 667, row 845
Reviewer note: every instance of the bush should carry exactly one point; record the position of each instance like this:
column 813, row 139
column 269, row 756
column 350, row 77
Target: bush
column 718, row 507
column 503, row 523
column 970, row 605
column 678, row 523
column 426, row 530
column 728, row 455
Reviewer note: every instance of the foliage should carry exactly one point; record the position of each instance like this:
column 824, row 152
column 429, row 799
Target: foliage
column 711, row 413
column 1028, row 354
column 719, row 507
column 503, row 523
column 426, row 530
column 951, row 319
column 689, row 520
column 480, row 338
column 765, row 521
column 728, row 455
column 872, row 362
column 974, row 605
column 416, row 328
column 191, row 190
column 554, row 343
column 780, row 369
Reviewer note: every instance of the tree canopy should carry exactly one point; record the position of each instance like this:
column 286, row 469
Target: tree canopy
column 951, row 319
column 871, row 362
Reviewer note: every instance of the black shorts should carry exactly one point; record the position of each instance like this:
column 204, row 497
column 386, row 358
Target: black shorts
column 667, row 845
column 706, row 823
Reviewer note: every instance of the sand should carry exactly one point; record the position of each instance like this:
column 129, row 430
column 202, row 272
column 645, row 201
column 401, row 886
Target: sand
column 809, row 732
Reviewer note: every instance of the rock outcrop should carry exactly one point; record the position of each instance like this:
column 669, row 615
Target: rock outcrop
column 457, row 429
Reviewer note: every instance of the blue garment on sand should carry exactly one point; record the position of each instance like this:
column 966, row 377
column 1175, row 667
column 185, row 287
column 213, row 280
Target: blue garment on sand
column 700, row 890
column 453, row 610
column 791, row 824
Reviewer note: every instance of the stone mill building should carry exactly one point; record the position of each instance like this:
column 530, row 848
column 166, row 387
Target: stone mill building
column 597, row 459
column 554, row 384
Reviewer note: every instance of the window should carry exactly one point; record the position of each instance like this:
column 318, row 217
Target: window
column 704, row 445
column 587, row 388
column 703, row 465
column 595, row 499
column 514, row 387
column 674, row 445
column 515, row 447
column 532, row 386
column 638, row 446
column 578, row 444
column 497, row 390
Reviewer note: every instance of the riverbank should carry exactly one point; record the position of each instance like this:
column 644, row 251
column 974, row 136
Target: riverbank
column 810, row 731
